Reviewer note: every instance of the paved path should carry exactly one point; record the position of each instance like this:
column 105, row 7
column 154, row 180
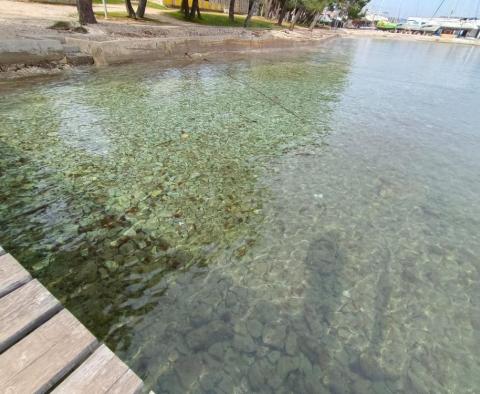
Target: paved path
column 43, row 346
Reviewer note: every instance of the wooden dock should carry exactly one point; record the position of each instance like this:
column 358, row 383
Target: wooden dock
column 43, row 347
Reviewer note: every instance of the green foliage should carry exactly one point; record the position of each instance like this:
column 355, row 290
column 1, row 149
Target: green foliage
column 113, row 14
column 124, row 15
column 355, row 9
column 157, row 6
column 314, row 5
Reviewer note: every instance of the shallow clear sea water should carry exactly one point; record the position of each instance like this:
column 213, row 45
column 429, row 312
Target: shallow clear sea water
column 302, row 223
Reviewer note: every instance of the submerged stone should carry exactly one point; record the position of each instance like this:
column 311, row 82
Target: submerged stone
column 209, row 381
column 273, row 356
column 201, row 314
column 217, row 351
column 285, row 365
column 274, row 336
column 111, row 265
column 266, row 312
column 206, row 335
column 89, row 272
column 254, row 328
column 258, row 373
column 244, row 343
column 368, row 366
column 291, row 344
column 323, row 256
column 188, row 370
column 130, row 233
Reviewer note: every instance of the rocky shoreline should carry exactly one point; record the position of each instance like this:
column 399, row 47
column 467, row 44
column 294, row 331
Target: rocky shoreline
column 24, row 57
column 129, row 51
column 27, row 57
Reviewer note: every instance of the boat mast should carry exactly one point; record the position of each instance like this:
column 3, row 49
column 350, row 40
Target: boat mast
column 454, row 9
column 438, row 9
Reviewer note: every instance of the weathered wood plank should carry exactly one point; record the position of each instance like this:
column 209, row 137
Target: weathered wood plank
column 43, row 357
column 128, row 383
column 98, row 374
column 23, row 310
column 12, row 274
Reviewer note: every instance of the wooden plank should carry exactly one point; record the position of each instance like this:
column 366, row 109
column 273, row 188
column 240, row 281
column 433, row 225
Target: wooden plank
column 43, row 357
column 23, row 310
column 98, row 374
column 128, row 383
column 12, row 274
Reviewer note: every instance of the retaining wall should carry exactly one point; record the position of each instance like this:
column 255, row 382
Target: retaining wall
column 127, row 51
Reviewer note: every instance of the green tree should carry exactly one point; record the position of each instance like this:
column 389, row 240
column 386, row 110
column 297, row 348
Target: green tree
column 355, row 9
column 315, row 7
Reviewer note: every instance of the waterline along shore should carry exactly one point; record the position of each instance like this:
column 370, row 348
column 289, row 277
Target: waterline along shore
column 30, row 44
column 27, row 56
column 16, row 54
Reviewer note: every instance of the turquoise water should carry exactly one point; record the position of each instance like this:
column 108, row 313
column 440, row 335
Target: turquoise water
column 306, row 223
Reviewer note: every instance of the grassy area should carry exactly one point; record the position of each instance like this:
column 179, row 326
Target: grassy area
column 217, row 19
column 112, row 14
column 150, row 4
column 157, row 6
column 208, row 18
column 123, row 15
column 108, row 2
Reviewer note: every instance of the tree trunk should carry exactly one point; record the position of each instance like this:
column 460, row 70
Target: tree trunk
column 195, row 8
column 251, row 9
column 283, row 12
column 276, row 12
column 268, row 8
column 294, row 19
column 231, row 11
column 85, row 12
column 315, row 21
column 142, row 4
column 185, row 8
column 130, row 10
